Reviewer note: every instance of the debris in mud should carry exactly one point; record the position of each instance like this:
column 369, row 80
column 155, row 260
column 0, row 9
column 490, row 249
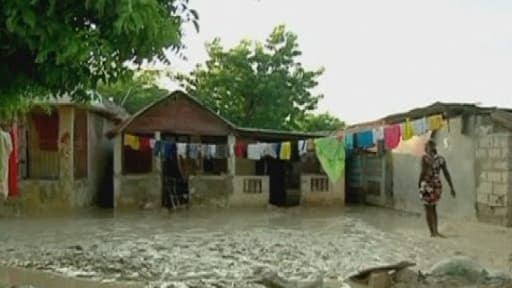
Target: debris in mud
column 271, row 279
column 454, row 272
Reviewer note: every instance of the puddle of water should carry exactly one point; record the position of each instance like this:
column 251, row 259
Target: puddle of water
column 15, row 276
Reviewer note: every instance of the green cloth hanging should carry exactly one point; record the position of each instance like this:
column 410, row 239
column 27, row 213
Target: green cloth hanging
column 331, row 154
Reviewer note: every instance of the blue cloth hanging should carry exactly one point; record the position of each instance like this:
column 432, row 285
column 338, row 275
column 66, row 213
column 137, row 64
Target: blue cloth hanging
column 349, row 141
column 365, row 139
column 169, row 150
column 157, row 150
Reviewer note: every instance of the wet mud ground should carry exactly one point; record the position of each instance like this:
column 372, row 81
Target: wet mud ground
column 224, row 248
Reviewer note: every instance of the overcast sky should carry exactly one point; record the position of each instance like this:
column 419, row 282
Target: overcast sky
column 380, row 57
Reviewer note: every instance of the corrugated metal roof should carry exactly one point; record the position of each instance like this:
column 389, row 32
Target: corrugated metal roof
column 255, row 132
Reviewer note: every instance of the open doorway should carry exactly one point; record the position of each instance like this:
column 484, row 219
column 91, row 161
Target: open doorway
column 175, row 192
column 276, row 170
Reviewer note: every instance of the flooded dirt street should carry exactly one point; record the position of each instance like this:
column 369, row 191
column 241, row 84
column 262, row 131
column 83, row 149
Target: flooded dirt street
column 224, row 248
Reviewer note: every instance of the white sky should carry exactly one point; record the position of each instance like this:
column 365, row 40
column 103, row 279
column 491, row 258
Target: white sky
column 380, row 57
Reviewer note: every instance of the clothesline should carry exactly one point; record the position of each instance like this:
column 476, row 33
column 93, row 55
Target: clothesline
column 166, row 149
column 392, row 134
column 330, row 151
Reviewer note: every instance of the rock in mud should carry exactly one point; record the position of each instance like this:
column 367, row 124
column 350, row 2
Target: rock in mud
column 459, row 266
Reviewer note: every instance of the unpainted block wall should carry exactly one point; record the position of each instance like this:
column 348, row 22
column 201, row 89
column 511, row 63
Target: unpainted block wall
column 494, row 178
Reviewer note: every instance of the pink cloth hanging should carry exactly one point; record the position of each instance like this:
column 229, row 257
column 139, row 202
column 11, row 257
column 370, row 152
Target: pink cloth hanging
column 13, row 163
column 392, row 136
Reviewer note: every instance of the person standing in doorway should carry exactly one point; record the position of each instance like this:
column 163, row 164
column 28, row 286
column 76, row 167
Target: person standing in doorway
column 430, row 184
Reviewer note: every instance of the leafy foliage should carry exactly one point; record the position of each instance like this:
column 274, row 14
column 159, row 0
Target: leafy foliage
column 67, row 46
column 320, row 122
column 135, row 93
column 260, row 85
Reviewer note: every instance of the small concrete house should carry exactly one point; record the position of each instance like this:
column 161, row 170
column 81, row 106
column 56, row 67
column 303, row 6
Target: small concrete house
column 141, row 179
column 477, row 144
column 64, row 157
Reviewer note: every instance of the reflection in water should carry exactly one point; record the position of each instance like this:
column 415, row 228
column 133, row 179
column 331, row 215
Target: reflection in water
column 207, row 248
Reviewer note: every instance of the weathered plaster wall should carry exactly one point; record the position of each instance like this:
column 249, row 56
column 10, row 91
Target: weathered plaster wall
column 99, row 154
column 245, row 167
column 242, row 198
column 42, row 196
column 494, row 175
column 138, row 191
column 458, row 150
column 210, row 191
column 333, row 195
column 82, row 196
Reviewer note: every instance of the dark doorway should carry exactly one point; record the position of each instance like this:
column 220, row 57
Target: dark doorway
column 174, row 186
column 276, row 170
column 106, row 187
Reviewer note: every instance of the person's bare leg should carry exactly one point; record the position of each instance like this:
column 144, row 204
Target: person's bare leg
column 434, row 224
column 428, row 216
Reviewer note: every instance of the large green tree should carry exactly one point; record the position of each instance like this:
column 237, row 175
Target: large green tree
column 134, row 93
column 320, row 122
column 253, row 84
column 50, row 47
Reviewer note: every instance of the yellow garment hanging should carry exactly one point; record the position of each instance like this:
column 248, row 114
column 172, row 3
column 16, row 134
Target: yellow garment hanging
column 131, row 141
column 408, row 132
column 286, row 151
column 435, row 122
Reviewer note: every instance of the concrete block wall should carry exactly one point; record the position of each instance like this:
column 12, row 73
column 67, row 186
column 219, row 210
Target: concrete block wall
column 246, row 196
column 331, row 194
column 494, row 178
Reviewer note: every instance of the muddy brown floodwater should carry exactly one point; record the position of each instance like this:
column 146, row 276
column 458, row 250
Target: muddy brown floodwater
column 224, row 248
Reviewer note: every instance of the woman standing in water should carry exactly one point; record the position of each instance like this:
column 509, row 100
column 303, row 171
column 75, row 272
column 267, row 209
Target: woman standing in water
column 430, row 184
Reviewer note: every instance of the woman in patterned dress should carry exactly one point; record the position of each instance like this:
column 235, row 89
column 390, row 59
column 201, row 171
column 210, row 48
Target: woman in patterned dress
column 430, row 184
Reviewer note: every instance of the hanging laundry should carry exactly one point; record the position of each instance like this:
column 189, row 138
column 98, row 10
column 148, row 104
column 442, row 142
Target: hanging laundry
column 13, row 163
column 221, row 152
column 181, row 150
column 277, row 148
column 331, row 155
column 435, row 122
column 392, row 136
column 303, row 147
column 131, row 141
column 408, row 131
column 212, row 151
column 193, row 150
column 240, row 150
column 254, row 151
column 286, row 151
column 169, row 150
column 365, row 139
column 5, row 152
column 267, row 150
column 378, row 134
column 349, row 141
column 144, row 144
column 158, row 148
column 420, row 126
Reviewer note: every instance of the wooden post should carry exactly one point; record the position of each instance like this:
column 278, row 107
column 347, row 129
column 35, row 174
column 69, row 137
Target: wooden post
column 157, row 163
column 231, row 156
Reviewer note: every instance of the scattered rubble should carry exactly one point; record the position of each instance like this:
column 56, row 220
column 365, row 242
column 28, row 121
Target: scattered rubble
column 453, row 272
